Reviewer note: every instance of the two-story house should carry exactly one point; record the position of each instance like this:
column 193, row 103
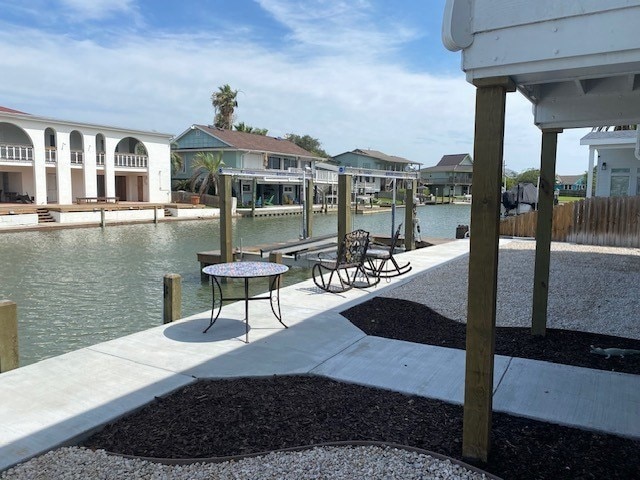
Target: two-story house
column 57, row 161
column 373, row 160
column 452, row 176
column 248, row 151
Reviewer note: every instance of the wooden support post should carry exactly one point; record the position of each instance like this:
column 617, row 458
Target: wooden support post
column 409, row 243
column 172, row 297
column 308, row 203
column 155, row 214
column 8, row 336
column 226, row 233
column 254, row 187
column 275, row 256
column 344, row 206
column 103, row 221
column 483, row 268
column 543, row 232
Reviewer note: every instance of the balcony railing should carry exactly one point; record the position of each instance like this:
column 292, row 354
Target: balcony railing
column 16, row 153
column 131, row 160
column 50, row 155
column 100, row 158
column 77, row 157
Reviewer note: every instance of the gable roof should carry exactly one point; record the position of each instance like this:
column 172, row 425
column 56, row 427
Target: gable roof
column 452, row 160
column 255, row 142
column 380, row 156
column 569, row 179
column 11, row 110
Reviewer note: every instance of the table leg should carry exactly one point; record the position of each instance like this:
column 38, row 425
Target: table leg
column 246, row 310
column 214, row 284
column 275, row 284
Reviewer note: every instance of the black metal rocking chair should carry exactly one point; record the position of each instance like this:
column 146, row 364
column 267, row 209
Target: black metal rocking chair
column 347, row 270
column 378, row 260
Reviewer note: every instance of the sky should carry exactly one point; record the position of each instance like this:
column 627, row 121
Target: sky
column 369, row 74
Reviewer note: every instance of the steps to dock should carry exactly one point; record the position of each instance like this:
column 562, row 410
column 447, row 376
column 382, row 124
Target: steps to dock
column 44, row 216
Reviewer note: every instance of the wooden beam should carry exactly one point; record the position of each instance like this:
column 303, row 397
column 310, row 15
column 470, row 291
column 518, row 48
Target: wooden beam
column 543, row 232
column 483, row 271
column 344, row 206
column 226, row 232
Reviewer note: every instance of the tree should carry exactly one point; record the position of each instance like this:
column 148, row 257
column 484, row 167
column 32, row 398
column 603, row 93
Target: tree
column 307, row 142
column 205, row 169
column 224, row 103
column 528, row 176
column 176, row 160
column 242, row 127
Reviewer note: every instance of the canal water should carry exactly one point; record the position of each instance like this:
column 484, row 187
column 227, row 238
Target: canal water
column 79, row 287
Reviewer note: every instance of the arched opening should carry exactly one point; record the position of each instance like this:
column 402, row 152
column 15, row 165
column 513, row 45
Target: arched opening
column 16, row 158
column 77, row 148
column 131, row 160
column 50, row 145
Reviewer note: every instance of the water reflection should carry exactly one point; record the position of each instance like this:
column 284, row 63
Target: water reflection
column 78, row 287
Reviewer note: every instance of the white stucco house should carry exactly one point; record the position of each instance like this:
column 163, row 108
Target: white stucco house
column 618, row 162
column 58, row 161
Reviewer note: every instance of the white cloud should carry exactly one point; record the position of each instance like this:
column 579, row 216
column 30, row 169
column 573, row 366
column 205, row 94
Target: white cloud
column 81, row 10
column 164, row 83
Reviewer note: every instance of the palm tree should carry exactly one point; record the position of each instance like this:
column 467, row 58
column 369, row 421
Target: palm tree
column 176, row 160
column 224, row 103
column 205, row 168
column 242, row 127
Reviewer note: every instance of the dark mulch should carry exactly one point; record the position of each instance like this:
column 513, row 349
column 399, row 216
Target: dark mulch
column 414, row 322
column 240, row 416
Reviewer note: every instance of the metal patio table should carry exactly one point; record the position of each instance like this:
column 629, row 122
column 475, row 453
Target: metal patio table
column 246, row 271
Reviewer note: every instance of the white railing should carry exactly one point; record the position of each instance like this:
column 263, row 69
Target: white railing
column 16, row 153
column 100, row 158
column 131, row 160
column 50, row 155
column 77, row 157
column 324, row 176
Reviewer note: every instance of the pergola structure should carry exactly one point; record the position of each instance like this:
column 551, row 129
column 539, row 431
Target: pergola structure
column 579, row 65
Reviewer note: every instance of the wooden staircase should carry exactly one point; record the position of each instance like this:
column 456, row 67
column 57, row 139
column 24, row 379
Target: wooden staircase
column 44, row 216
column 167, row 213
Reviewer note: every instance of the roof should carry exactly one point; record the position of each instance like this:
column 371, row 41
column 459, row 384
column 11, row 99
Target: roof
column 11, row 110
column 380, row 156
column 449, row 168
column 452, row 160
column 569, row 179
column 623, row 137
column 255, row 142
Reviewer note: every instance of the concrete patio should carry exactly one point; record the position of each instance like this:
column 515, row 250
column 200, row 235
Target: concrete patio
column 60, row 400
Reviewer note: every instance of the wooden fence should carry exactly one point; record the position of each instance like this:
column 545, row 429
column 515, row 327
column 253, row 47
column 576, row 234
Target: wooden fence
column 593, row 221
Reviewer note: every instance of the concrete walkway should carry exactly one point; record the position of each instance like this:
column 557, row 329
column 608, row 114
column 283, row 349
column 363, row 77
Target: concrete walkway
column 60, row 400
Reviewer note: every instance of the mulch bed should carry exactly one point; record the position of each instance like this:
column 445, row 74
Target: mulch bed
column 249, row 415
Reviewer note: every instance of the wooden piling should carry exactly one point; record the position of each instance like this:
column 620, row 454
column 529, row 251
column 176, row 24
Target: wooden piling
column 308, row 203
column 409, row 216
column 344, row 206
column 172, row 297
column 8, row 336
column 226, row 229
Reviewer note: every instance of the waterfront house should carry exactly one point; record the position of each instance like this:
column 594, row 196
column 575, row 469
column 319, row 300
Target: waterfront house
column 452, row 176
column 618, row 162
column 571, row 185
column 373, row 160
column 50, row 161
column 248, row 151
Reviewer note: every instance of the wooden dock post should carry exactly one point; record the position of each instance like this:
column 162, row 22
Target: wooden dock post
column 409, row 215
column 172, row 297
column 226, row 230
column 344, row 206
column 103, row 221
column 543, row 231
column 155, row 214
column 308, row 204
column 8, row 336
column 483, row 265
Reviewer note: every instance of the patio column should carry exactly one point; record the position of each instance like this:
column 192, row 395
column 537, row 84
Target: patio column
column 226, row 233
column 344, row 205
column 543, row 231
column 592, row 152
column 483, row 265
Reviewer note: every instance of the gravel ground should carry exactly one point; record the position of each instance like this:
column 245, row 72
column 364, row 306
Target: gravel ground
column 592, row 289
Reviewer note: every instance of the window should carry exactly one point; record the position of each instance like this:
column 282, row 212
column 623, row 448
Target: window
column 246, row 187
column 290, row 163
column 619, row 182
column 274, row 163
